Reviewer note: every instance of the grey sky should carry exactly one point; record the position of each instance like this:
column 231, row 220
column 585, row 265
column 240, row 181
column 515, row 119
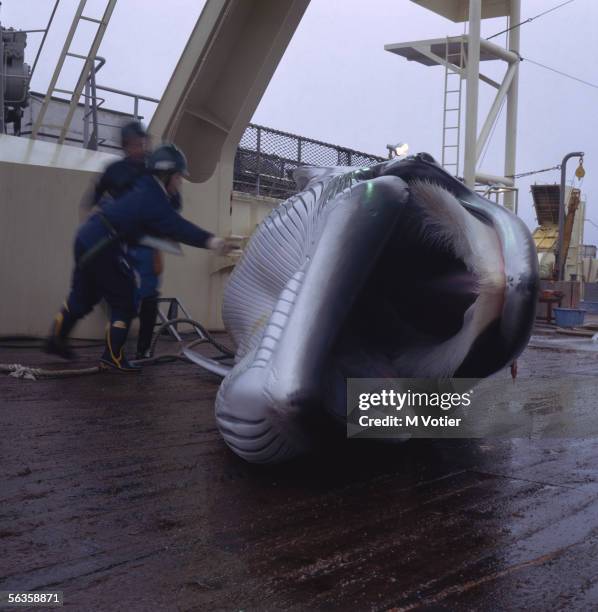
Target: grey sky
column 336, row 83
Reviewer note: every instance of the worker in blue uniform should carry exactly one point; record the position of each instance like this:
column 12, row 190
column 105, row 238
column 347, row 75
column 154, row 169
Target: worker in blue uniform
column 121, row 175
column 102, row 266
column 118, row 178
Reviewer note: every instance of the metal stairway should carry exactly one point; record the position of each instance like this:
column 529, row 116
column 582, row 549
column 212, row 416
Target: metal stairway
column 451, row 117
column 88, row 66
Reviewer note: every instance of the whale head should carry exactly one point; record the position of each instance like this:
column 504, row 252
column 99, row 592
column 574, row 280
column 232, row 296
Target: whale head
column 397, row 270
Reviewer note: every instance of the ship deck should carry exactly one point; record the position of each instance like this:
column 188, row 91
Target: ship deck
column 119, row 491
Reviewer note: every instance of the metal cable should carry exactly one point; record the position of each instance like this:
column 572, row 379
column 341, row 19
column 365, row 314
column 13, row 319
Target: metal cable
column 569, row 76
column 518, row 25
column 522, row 174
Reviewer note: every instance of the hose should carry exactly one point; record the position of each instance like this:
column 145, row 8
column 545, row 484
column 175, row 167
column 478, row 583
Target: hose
column 17, row 370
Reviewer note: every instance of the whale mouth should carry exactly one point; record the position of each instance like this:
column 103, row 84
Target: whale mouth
column 436, row 286
column 395, row 271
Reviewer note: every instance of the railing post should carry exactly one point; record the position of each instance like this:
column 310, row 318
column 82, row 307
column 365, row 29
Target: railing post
column 93, row 141
column 136, row 108
column 299, row 143
column 86, row 113
column 2, row 127
column 259, row 159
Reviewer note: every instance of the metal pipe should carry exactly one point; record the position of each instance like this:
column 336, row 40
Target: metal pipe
column 494, row 110
column 86, row 115
column 93, row 141
column 2, row 82
column 512, row 102
column 259, row 159
column 473, row 75
column 561, row 262
column 492, row 179
column 500, row 52
column 126, row 93
column 91, row 99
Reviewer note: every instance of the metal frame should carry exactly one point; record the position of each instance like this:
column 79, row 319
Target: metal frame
column 265, row 157
column 88, row 60
column 2, row 85
column 496, row 190
column 507, row 91
column 91, row 99
column 41, row 44
column 174, row 305
column 450, row 71
column 32, row 71
column 561, row 260
column 130, row 94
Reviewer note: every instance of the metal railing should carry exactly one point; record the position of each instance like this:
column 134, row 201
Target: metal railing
column 92, row 142
column 266, row 158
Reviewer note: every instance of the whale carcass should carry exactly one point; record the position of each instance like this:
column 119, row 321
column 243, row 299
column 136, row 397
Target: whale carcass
column 397, row 270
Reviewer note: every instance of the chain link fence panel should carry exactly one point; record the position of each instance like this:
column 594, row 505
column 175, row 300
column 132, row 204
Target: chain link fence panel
column 266, row 158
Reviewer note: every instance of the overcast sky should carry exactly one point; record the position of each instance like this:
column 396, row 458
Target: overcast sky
column 337, row 84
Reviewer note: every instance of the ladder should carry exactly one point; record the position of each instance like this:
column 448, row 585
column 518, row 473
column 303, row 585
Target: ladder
column 88, row 65
column 451, row 117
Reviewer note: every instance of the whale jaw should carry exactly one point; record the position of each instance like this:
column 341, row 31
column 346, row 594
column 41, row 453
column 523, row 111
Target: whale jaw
column 395, row 271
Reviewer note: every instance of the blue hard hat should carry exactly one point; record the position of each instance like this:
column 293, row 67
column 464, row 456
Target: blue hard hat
column 168, row 158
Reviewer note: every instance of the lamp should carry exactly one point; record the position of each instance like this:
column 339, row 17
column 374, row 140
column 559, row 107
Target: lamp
column 396, row 150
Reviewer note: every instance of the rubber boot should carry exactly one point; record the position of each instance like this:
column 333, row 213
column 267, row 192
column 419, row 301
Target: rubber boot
column 147, row 321
column 57, row 342
column 114, row 357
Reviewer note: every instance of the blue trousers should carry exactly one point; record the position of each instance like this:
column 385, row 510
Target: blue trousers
column 107, row 275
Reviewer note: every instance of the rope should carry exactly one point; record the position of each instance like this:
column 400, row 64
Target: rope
column 17, row 370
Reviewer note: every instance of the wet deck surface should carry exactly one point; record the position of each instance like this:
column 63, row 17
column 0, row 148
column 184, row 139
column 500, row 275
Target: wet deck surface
column 119, row 491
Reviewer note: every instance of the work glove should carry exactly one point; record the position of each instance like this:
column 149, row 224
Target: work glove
column 220, row 246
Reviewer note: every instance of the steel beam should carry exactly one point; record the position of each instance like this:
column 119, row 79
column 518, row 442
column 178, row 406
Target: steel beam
column 512, row 102
column 473, row 75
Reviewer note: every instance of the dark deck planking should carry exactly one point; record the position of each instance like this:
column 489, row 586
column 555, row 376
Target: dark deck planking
column 119, row 491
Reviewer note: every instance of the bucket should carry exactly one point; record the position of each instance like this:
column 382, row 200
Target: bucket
column 569, row 317
column 591, row 307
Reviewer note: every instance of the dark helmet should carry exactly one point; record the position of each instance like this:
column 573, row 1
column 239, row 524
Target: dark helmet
column 133, row 129
column 168, row 158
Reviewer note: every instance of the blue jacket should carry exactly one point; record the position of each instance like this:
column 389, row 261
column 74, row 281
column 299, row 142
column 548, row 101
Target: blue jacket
column 145, row 209
column 121, row 176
